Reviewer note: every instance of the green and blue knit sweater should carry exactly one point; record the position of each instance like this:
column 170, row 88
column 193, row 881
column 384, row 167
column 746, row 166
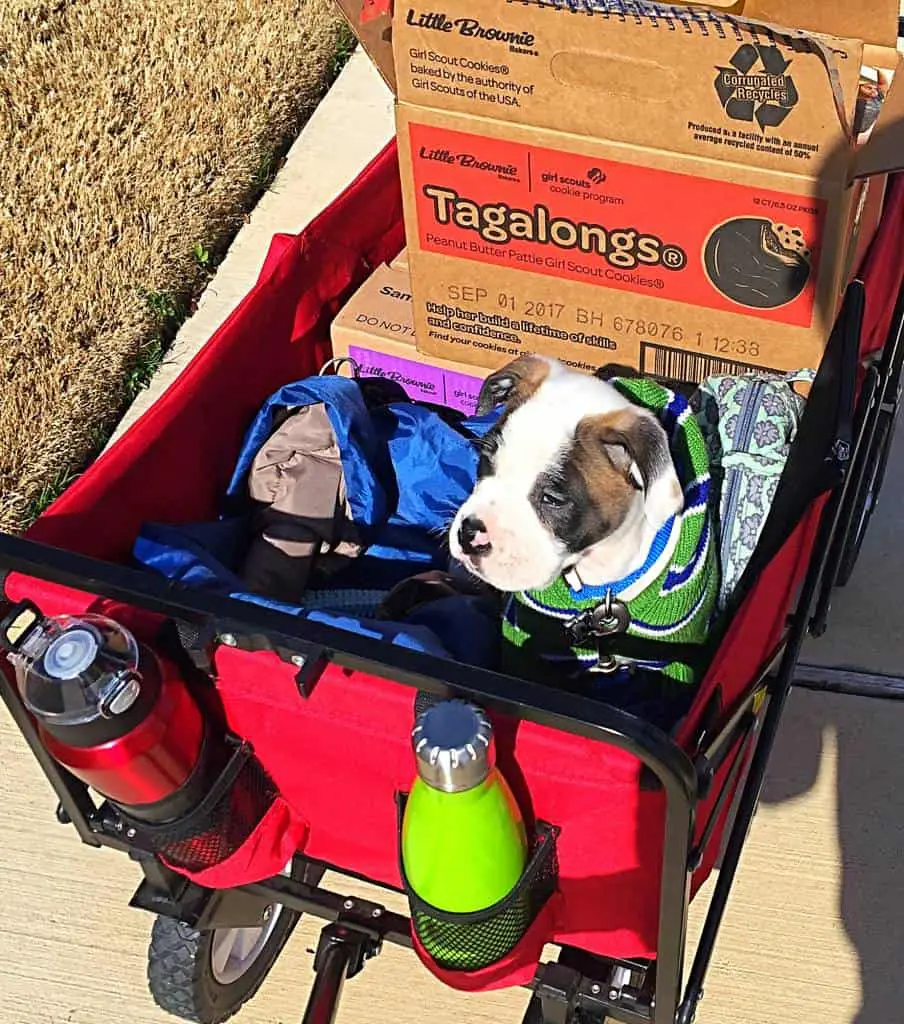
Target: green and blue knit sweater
column 671, row 598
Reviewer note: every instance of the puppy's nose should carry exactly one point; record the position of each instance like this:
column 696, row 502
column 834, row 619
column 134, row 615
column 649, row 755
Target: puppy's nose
column 473, row 536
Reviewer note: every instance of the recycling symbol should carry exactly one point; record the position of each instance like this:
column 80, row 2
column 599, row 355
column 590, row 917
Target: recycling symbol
column 755, row 87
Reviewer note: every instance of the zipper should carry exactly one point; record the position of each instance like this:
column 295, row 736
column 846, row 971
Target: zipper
column 739, row 442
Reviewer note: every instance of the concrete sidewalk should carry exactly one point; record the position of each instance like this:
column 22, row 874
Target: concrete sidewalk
column 866, row 627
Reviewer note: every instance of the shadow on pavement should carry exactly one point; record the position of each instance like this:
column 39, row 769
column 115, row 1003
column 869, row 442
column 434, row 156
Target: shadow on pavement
column 870, row 808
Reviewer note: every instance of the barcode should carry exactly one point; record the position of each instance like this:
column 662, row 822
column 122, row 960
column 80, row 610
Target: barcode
column 690, row 367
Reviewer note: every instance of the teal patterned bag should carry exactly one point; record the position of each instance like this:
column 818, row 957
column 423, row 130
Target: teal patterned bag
column 749, row 423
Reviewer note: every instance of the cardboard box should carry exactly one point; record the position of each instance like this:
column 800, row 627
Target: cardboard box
column 374, row 34
column 401, row 261
column 870, row 200
column 670, row 189
column 376, row 329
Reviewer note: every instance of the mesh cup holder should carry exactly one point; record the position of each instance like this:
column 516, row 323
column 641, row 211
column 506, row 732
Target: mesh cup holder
column 472, row 941
column 234, row 805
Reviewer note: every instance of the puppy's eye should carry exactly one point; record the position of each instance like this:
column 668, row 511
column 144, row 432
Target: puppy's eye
column 553, row 499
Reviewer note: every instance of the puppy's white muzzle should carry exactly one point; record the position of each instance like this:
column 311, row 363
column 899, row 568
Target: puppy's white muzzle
column 498, row 537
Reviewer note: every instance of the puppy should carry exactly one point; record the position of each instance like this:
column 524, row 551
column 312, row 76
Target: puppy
column 573, row 476
column 579, row 513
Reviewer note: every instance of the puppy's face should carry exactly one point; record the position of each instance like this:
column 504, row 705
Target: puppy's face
column 570, row 465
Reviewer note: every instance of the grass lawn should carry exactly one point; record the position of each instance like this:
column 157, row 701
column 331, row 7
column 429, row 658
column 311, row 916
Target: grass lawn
column 135, row 138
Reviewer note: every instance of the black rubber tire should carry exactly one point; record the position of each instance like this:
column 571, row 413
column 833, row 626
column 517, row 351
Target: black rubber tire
column 867, row 501
column 181, row 979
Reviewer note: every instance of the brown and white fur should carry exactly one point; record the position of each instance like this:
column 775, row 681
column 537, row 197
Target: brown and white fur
column 573, row 478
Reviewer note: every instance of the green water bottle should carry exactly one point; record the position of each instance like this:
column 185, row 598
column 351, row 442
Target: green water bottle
column 464, row 846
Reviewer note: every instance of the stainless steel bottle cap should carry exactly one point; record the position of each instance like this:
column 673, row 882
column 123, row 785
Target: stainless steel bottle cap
column 452, row 746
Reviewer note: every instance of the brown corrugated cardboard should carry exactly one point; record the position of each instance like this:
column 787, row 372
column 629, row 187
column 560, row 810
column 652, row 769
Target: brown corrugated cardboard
column 376, row 329
column 867, row 216
column 886, row 141
column 374, row 33
column 401, row 261
column 873, row 21
column 670, row 190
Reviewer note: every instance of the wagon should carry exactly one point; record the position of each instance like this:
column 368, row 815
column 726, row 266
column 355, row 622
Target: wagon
column 632, row 818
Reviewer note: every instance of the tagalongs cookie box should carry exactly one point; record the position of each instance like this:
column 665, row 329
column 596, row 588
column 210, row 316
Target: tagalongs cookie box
column 669, row 188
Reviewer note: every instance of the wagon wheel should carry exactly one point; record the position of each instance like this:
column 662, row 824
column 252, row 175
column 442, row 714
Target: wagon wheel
column 207, row 976
column 867, row 499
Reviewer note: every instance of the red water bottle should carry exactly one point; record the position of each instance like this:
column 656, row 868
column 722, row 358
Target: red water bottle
column 109, row 709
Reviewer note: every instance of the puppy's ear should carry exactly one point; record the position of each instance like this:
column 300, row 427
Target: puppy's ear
column 638, row 447
column 513, row 384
